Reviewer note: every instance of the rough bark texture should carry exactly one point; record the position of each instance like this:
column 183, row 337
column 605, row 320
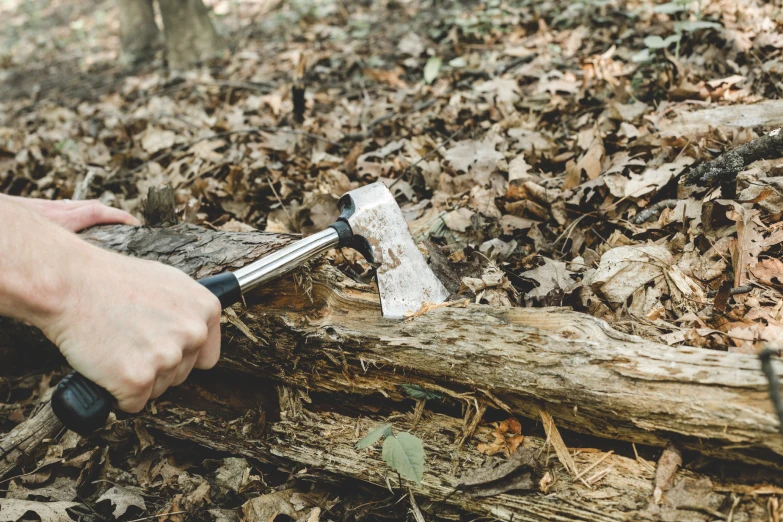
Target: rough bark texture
column 321, row 331
column 190, row 36
column 139, row 34
column 326, row 333
column 23, row 439
column 723, row 170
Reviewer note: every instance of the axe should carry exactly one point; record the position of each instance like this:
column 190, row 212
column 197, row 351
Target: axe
column 370, row 222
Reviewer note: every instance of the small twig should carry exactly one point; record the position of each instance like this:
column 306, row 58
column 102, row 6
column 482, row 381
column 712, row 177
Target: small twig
column 290, row 219
column 774, row 383
column 653, row 211
column 594, row 464
column 598, row 475
column 744, row 289
column 250, row 86
column 417, row 514
column 83, row 188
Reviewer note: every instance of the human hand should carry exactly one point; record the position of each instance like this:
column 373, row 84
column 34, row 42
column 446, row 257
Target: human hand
column 133, row 327
column 75, row 215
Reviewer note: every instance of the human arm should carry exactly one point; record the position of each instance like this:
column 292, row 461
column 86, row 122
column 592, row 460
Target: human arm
column 131, row 326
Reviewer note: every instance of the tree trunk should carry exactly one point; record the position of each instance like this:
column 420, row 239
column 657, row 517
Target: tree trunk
column 320, row 331
column 190, row 36
column 139, row 34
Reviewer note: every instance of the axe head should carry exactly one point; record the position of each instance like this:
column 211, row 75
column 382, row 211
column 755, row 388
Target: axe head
column 380, row 233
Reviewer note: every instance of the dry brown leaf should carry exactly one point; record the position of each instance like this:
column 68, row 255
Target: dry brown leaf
column 750, row 241
column 652, row 180
column 123, row 498
column 12, row 509
column 507, row 438
column 591, row 161
column 459, row 220
column 769, row 271
column 624, row 269
column 552, row 276
column 154, row 139
column 267, row 507
column 476, row 157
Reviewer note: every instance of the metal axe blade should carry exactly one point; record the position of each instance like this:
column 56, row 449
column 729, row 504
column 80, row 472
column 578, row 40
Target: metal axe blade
column 380, row 233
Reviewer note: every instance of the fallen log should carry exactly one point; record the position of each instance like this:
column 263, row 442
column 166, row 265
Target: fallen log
column 325, row 333
column 315, row 439
column 320, row 445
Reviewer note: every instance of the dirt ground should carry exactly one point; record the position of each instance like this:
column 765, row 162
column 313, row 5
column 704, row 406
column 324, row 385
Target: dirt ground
column 541, row 145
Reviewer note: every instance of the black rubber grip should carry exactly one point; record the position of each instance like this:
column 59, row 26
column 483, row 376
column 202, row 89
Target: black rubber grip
column 83, row 406
column 225, row 286
column 80, row 404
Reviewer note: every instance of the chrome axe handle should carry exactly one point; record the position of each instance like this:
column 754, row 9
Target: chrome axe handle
column 83, row 406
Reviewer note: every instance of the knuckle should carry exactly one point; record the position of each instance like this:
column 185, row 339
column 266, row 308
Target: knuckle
column 137, row 380
column 199, row 333
column 167, row 359
column 211, row 303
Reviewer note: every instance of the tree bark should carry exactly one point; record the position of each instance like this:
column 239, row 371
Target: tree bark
column 139, row 34
column 321, row 331
column 22, row 441
column 190, row 36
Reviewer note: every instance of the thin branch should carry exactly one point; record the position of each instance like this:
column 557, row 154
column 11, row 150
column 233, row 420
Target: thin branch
column 724, row 168
column 653, row 211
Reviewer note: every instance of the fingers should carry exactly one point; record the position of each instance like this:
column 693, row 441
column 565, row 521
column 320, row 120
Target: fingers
column 209, row 353
column 86, row 214
column 205, row 353
column 77, row 215
column 184, row 369
column 135, row 387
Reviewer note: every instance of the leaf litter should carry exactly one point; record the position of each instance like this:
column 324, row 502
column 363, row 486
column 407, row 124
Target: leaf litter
column 522, row 142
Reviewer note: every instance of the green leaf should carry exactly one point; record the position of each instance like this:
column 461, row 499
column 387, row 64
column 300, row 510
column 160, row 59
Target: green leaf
column 670, row 8
column 654, row 42
column 458, row 62
column 690, row 27
column 641, row 56
column 405, row 455
column 672, row 39
column 432, row 68
column 415, row 391
column 374, row 436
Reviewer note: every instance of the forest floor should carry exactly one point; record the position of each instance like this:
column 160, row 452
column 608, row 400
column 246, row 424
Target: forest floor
column 540, row 144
